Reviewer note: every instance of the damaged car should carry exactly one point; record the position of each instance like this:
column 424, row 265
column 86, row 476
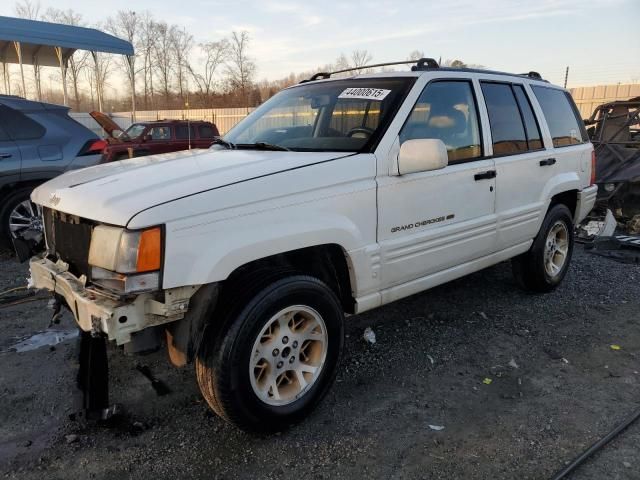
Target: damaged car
column 614, row 129
column 334, row 197
column 150, row 138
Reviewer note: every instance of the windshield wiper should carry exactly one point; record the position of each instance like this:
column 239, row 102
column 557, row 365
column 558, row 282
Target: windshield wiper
column 264, row 146
column 224, row 143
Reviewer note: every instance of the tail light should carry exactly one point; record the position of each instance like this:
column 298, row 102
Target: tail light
column 593, row 168
column 93, row 147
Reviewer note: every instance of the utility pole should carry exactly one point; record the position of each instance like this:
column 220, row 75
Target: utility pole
column 566, row 77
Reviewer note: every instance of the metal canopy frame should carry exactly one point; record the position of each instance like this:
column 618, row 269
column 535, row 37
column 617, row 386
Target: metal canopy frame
column 46, row 44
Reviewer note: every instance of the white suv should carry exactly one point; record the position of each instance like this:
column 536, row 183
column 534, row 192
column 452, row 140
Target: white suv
column 334, row 197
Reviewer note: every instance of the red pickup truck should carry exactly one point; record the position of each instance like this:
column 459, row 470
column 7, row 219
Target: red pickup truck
column 149, row 138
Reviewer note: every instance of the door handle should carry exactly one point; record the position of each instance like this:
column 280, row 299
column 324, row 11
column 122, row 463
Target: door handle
column 5, row 155
column 547, row 162
column 485, row 175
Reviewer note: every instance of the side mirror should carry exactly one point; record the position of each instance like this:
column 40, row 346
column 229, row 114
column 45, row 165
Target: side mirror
column 422, row 155
column 147, row 138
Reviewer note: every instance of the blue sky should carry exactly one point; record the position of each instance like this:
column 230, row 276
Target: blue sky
column 517, row 35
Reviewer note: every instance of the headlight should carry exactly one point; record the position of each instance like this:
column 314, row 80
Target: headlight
column 119, row 257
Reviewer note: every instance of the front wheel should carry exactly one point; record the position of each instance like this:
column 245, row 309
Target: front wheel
column 276, row 355
column 543, row 267
column 19, row 218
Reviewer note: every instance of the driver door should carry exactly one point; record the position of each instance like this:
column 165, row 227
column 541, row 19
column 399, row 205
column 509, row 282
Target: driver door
column 433, row 221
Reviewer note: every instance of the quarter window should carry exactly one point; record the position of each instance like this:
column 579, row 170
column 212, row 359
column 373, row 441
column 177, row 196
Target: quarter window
column 206, row 131
column 18, row 126
column 446, row 110
column 507, row 129
column 561, row 116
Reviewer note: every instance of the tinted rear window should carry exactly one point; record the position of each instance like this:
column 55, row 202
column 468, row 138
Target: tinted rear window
column 18, row 126
column 507, row 130
column 182, row 132
column 206, row 131
column 566, row 128
column 530, row 123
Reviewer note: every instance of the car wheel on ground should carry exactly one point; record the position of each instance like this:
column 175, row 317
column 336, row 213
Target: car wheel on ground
column 276, row 356
column 18, row 216
column 543, row 267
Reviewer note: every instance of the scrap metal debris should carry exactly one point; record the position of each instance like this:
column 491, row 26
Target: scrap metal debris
column 369, row 336
column 622, row 248
column 158, row 385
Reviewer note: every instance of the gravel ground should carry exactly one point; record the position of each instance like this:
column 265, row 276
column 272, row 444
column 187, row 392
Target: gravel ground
column 521, row 384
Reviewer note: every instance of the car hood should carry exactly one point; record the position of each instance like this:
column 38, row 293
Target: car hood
column 115, row 192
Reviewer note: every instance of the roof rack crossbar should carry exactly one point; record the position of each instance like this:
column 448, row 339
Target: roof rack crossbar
column 421, row 64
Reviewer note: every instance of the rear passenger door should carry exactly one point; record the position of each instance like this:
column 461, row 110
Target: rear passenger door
column 10, row 158
column 523, row 165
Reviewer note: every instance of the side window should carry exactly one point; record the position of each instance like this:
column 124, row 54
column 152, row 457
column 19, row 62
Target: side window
column 446, row 110
column 561, row 116
column 206, row 131
column 18, row 126
column 182, row 133
column 507, row 130
column 534, row 139
column 160, row 133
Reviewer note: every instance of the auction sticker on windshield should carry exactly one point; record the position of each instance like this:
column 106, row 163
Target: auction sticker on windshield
column 363, row 93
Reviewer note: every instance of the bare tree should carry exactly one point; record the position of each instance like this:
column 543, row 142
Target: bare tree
column 102, row 70
column 78, row 61
column 181, row 44
column 147, row 49
column 215, row 54
column 240, row 69
column 342, row 62
column 416, row 55
column 28, row 9
column 127, row 25
column 163, row 57
column 360, row 58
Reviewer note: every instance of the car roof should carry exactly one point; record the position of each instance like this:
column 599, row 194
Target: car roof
column 21, row 103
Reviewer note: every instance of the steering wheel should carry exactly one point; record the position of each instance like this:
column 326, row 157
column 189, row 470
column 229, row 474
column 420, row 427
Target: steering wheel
column 360, row 130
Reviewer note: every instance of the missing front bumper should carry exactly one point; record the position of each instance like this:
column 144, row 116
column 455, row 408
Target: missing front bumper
column 97, row 313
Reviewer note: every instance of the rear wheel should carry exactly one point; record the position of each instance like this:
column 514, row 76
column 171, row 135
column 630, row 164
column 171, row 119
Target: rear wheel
column 276, row 356
column 544, row 266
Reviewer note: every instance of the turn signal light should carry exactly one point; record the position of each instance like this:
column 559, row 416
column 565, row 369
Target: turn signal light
column 149, row 250
column 593, row 167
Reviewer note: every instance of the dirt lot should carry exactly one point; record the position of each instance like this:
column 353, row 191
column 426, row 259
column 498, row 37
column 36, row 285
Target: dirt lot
column 556, row 386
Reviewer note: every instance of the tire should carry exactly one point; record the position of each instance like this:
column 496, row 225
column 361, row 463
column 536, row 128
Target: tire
column 540, row 269
column 236, row 380
column 9, row 204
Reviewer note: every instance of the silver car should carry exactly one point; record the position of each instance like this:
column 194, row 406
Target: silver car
column 38, row 141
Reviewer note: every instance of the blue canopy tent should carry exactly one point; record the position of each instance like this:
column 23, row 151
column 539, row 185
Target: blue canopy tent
column 31, row 42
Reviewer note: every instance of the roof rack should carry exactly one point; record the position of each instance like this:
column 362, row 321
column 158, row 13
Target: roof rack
column 532, row 74
column 422, row 64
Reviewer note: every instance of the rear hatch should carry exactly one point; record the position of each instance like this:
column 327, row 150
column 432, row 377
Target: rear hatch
column 108, row 125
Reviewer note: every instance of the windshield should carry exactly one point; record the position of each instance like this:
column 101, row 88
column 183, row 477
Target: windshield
column 342, row 115
column 135, row 130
